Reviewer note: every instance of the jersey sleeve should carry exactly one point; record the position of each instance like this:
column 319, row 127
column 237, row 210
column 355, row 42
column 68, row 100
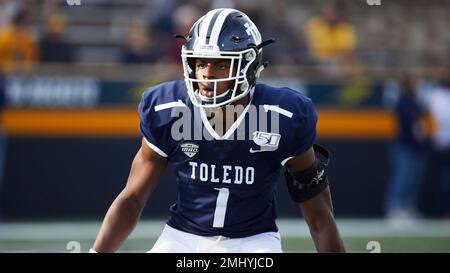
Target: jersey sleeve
column 301, row 132
column 151, row 124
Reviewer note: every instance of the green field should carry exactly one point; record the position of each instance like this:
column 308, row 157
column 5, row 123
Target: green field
column 358, row 235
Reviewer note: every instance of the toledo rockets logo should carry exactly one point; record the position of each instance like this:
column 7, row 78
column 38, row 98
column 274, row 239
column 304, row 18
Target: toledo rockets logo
column 189, row 149
column 267, row 141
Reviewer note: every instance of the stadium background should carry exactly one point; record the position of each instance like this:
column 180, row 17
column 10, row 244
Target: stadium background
column 71, row 125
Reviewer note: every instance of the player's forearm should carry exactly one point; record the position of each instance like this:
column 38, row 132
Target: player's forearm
column 119, row 222
column 327, row 238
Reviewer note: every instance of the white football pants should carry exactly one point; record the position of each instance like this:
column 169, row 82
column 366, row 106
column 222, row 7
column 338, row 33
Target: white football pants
column 176, row 241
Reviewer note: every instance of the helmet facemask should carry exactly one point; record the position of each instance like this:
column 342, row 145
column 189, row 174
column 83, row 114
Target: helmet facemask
column 240, row 64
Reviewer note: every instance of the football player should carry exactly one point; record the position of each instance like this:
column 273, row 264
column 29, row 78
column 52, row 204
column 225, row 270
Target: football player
column 226, row 179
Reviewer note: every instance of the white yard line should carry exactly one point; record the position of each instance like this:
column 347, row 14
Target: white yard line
column 288, row 228
column 373, row 228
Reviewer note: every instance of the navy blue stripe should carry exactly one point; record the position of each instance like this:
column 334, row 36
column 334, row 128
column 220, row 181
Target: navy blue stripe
column 211, row 25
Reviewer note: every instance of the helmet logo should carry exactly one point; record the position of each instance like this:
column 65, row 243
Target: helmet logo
column 253, row 31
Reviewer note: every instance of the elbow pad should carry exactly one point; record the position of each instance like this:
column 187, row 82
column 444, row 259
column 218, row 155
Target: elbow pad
column 306, row 184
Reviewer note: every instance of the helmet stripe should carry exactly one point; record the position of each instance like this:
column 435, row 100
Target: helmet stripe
column 205, row 26
column 210, row 27
column 218, row 25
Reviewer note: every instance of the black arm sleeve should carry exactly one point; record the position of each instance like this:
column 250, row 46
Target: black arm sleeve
column 306, row 184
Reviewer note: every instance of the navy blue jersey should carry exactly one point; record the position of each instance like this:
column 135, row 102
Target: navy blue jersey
column 226, row 184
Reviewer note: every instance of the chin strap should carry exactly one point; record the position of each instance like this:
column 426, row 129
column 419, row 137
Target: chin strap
column 260, row 69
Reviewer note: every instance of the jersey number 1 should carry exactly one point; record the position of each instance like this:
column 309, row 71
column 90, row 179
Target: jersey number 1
column 221, row 207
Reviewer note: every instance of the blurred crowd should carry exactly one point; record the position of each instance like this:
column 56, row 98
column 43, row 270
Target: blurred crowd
column 331, row 34
column 420, row 148
column 24, row 42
